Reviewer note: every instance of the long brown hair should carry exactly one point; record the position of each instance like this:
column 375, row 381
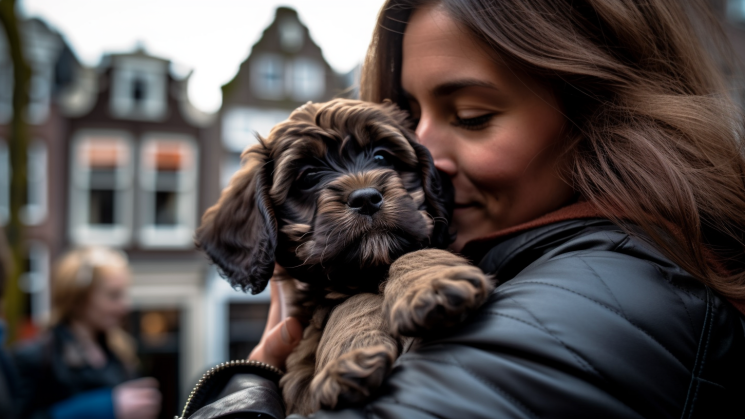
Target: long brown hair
column 654, row 140
column 74, row 276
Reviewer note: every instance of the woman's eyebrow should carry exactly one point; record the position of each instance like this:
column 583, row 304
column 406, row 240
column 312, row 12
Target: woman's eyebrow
column 451, row 87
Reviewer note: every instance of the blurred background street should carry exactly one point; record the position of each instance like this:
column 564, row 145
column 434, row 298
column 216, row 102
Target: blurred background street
column 137, row 114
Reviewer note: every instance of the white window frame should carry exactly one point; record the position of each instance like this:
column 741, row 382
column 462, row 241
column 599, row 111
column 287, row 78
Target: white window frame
column 240, row 124
column 291, row 36
column 308, row 79
column 81, row 232
column 35, row 211
column 261, row 67
column 6, row 88
column 40, row 92
column 37, row 169
column 180, row 235
column 154, row 75
column 36, row 281
column 5, row 173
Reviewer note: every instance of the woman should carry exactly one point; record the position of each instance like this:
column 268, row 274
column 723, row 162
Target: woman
column 598, row 173
column 83, row 367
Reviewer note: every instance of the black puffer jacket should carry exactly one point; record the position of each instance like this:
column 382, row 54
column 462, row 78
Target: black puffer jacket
column 588, row 323
column 57, row 382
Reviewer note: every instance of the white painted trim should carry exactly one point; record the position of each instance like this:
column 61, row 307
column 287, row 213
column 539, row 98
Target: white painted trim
column 37, row 170
column 82, row 233
column 180, row 235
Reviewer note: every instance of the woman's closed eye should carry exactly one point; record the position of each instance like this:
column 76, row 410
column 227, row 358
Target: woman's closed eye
column 473, row 122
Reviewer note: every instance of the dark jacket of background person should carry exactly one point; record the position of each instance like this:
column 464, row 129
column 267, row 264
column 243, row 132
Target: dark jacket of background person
column 588, row 322
column 9, row 384
column 57, row 382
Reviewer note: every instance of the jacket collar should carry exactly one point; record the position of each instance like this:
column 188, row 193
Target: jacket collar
column 502, row 246
column 476, row 249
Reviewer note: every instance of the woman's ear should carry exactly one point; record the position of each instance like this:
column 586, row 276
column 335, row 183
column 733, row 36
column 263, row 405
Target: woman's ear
column 439, row 197
column 239, row 233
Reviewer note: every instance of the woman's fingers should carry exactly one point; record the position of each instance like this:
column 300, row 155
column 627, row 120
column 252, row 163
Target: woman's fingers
column 277, row 344
column 276, row 309
column 137, row 399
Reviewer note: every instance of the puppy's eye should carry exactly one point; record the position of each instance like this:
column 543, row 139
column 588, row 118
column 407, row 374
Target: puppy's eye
column 308, row 180
column 383, row 159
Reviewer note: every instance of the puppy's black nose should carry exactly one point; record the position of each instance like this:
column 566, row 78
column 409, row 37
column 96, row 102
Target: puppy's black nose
column 366, row 201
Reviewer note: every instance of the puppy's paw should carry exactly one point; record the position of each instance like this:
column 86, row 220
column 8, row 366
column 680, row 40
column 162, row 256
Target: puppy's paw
column 350, row 379
column 439, row 298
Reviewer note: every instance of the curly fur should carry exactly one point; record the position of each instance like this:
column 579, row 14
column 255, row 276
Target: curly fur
column 293, row 202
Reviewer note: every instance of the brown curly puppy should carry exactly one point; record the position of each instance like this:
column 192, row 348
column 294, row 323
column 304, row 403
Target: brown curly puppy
column 339, row 195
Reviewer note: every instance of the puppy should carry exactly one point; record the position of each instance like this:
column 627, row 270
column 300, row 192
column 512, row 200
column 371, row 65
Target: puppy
column 343, row 197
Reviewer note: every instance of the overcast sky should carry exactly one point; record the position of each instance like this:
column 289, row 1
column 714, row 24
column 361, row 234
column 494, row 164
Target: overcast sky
column 210, row 37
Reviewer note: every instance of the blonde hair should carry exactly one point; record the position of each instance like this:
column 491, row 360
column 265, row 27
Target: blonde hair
column 74, row 276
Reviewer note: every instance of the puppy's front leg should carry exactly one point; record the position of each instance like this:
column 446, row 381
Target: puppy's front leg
column 355, row 354
column 430, row 289
column 301, row 366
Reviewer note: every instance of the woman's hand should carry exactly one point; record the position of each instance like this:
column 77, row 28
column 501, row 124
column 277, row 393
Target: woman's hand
column 281, row 334
column 137, row 399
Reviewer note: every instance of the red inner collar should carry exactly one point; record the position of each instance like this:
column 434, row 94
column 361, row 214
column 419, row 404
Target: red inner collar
column 576, row 211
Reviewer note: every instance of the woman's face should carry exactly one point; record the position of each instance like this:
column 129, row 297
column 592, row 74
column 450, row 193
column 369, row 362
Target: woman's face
column 108, row 302
column 494, row 131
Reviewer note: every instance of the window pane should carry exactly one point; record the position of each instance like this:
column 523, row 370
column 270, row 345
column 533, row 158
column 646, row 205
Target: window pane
column 165, row 208
column 267, row 76
column 101, row 206
column 103, row 179
column 736, row 10
column 138, row 89
column 308, row 83
column 4, row 183
column 167, row 181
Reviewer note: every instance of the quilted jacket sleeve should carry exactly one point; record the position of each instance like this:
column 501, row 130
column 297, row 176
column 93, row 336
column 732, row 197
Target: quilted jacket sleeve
column 596, row 328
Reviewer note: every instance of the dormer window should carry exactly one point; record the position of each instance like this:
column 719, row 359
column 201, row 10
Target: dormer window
column 290, row 35
column 139, row 88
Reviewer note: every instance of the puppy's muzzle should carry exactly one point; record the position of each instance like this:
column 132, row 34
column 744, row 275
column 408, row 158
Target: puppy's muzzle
column 365, row 201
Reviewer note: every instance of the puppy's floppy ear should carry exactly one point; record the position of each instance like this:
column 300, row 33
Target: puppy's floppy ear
column 239, row 233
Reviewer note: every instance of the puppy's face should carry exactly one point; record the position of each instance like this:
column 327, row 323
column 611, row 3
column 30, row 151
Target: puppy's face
column 336, row 194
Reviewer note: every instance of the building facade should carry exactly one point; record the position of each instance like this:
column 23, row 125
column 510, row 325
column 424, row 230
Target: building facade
column 119, row 157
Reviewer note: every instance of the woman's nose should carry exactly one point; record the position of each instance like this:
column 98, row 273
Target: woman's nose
column 432, row 138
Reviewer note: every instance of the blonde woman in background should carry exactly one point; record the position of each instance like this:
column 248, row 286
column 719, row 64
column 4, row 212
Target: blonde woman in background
column 83, row 367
